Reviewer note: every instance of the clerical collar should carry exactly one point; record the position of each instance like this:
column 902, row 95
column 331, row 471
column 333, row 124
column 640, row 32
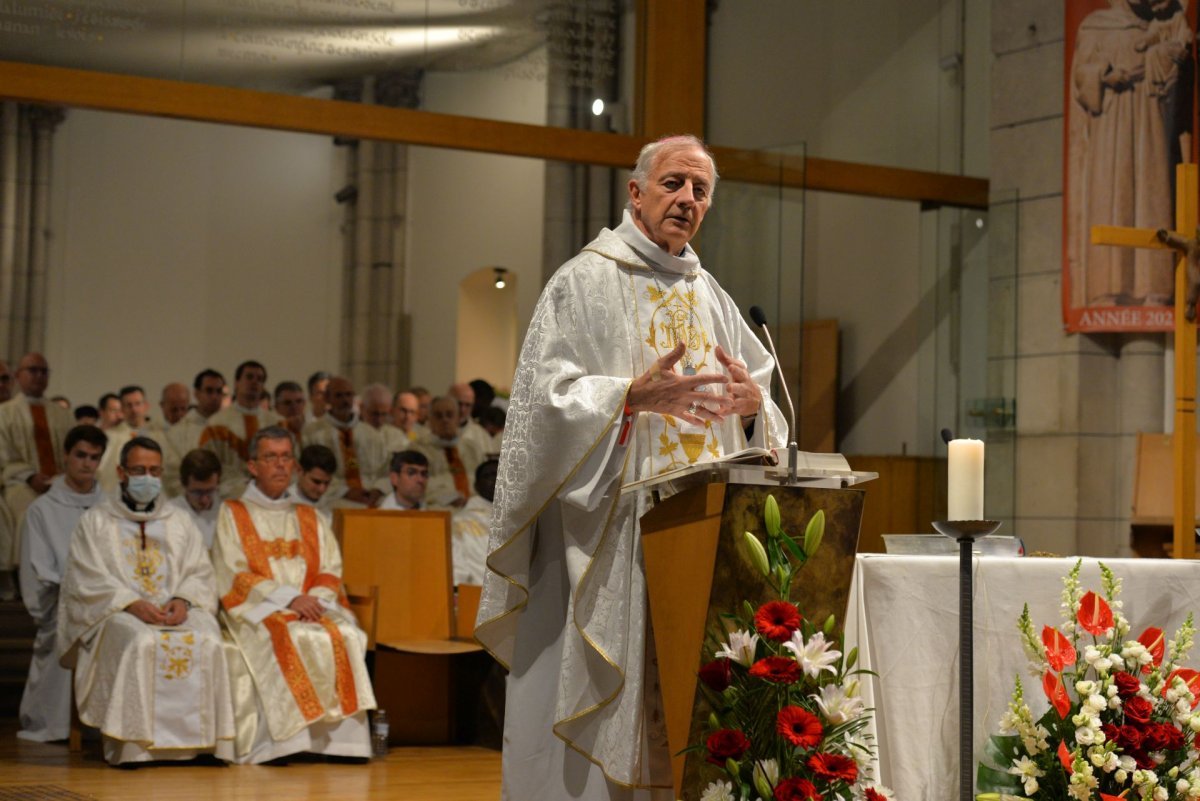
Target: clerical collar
column 134, row 506
column 256, row 496
column 336, row 423
column 686, row 262
column 443, row 443
column 243, row 410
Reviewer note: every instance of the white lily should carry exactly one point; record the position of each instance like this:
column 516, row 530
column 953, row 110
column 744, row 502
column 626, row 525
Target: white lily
column 740, row 648
column 815, row 655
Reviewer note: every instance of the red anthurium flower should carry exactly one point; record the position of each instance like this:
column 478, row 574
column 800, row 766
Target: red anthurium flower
column 1064, row 756
column 1094, row 614
column 1059, row 651
column 1190, row 677
column 1057, row 693
column 1153, row 639
column 776, row 620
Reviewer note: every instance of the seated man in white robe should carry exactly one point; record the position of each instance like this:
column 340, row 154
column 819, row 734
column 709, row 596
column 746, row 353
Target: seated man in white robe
column 289, row 405
column 302, row 680
column 230, row 430
column 45, row 539
column 137, row 622
column 452, row 459
column 317, row 468
column 375, row 409
column 200, row 472
column 208, row 391
column 409, row 476
column 361, row 452
column 471, row 527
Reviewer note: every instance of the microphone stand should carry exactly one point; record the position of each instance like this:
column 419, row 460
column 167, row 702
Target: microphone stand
column 760, row 319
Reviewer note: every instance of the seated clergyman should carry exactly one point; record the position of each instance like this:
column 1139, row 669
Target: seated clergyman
column 200, row 478
column 137, row 621
column 279, row 574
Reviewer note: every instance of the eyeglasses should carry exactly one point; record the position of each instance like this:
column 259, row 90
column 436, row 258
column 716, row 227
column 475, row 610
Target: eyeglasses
column 201, row 494
column 143, row 471
column 276, row 458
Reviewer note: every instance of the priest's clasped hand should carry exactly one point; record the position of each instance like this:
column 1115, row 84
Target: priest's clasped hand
column 661, row 389
column 741, row 389
column 307, row 607
column 171, row 614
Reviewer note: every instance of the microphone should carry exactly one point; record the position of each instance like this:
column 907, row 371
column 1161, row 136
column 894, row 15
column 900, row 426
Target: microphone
column 947, row 435
column 760, row 319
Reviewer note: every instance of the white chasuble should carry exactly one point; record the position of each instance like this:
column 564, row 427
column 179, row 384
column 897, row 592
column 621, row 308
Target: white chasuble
column 302, row 674
column 228, row 434
column 564, row 602
column 27, row 447
column 155, row 692
column 45, row 540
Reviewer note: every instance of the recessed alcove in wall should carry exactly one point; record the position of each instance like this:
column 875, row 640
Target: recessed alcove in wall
column 488, row 330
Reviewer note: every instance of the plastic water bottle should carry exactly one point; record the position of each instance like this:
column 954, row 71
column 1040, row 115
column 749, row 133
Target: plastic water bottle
column 379, row 733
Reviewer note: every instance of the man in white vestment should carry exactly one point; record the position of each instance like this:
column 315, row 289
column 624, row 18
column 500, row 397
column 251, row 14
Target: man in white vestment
column 361, row 452
column 173, row 403
column 32, row 432
column 409, row 475
column 109, row 406
column 317, row 468
column 375, row 409
column 636, row 362
column 317, row 382
column 8, row 526
column 468, row 429
column 230, row 430
column 290, row 405
column 208, row 391
column 404, row 413
column 135, row 422
column 200, row 476
column 471, row 526
column 302, row 683
column 452, row 460
column 136, row 620
column 45, row 539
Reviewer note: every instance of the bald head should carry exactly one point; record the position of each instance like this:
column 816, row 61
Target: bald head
column 405, row 411
column 375, row 406
column 443, row 417
column 33, row 374
column 6, row 381
column 174, row 402
column 465, row 395
column 339, row 396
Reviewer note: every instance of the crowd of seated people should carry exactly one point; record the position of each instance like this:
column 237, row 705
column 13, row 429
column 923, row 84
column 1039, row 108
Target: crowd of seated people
column 139, row 540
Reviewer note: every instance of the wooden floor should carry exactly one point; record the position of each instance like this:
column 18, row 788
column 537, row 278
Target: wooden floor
column 47, row 772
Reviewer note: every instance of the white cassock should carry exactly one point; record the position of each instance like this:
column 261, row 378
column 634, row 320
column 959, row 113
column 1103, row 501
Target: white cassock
column 206, row 522
column 361, row 452
column 228, row 435
column 391, row 504
column 299, row 686
column 444, row 487
column 583, row 719
column 469, row 531
column 478, row 436
column 45, row 540
column 27, row 447
column 394, row 441
column 154, row 692
column 183, row 437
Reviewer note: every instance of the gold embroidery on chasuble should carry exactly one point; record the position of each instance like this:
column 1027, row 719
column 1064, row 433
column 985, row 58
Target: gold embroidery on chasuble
column 676, row 316
column 175, row 654
column 145, row 564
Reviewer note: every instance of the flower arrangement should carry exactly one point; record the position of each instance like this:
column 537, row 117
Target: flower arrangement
column 1122, row 720
column 787, row 721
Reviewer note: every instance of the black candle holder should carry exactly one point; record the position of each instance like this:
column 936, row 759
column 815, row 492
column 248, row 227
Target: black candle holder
column 965, row 532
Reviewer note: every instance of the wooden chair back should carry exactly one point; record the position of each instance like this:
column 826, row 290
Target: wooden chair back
column 466, row 609
column 364, row 603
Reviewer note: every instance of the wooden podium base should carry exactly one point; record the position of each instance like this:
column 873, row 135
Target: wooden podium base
column 696, row 569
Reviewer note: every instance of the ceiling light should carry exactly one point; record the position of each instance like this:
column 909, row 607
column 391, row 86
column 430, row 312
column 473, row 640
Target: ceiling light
column 501, row 275
column 597, row 107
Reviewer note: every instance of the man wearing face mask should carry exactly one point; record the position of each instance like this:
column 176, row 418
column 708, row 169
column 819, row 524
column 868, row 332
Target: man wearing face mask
column 200, row 473
column 137, row 623
column 45, row 539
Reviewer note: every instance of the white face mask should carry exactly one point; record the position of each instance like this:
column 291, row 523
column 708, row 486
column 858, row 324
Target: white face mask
column 144, row 489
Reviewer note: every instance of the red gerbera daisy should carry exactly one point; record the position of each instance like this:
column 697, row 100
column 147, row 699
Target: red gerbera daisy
column 777, row 669
column 797, row 790
column 834, row 767
column 776, row 620
column 872, row 794
column 799, row 727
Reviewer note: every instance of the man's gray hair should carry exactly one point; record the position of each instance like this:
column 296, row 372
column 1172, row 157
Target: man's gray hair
column 381, row 391
column 270, row 432
column 650, row 154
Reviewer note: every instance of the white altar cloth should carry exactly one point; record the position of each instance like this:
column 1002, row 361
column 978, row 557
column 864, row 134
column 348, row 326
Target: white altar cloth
column 903, row 615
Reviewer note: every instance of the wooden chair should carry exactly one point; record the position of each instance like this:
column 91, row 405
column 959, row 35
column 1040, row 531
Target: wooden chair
column 466, row 609
column 406, row 555
column 364, row 603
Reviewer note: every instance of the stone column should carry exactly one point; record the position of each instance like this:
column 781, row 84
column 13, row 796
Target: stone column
column 26, row 137
column 375, row 345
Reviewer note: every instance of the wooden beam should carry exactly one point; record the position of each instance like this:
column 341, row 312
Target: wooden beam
column 672, row 65
column 189, row 101
column 1126, row 237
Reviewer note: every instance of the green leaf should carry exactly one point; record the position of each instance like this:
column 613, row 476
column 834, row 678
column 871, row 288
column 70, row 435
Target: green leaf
column 771, row 516
column 814, row 532
column 1003, row 749
column 989, row 779
column 795, row 548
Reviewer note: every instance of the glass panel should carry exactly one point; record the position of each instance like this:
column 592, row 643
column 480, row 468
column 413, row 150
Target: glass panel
column 1000, row 410
column 536, row 61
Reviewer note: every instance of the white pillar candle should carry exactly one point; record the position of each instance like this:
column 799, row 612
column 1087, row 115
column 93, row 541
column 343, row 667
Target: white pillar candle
column 965, row 480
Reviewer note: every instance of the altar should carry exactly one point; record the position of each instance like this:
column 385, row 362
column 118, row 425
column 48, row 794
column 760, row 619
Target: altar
column 903, row 615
